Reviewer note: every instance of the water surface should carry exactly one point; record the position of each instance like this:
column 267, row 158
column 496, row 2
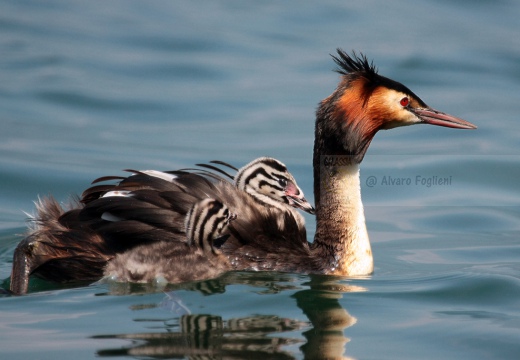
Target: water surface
column 90, row 88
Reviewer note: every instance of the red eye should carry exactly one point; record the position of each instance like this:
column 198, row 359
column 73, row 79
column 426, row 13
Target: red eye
column 405, row 101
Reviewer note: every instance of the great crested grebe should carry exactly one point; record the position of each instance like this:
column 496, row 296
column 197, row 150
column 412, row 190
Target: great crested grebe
column 363, row 103
column 147, row 207
column 175, row 261
column 346, row 122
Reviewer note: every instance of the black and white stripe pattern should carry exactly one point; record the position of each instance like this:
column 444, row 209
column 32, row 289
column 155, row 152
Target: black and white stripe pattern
column 206, row 222
column 266, row 180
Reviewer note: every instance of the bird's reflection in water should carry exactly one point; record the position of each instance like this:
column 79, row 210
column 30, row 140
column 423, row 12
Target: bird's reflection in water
column 209, row 336
column 320, row 303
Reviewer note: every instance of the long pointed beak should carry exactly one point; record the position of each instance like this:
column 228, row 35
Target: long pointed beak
column 435, row 117
column 301, row 203
column 296, row 198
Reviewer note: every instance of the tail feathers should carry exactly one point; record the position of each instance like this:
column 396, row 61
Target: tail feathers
column 50, row 249
column 49, row 212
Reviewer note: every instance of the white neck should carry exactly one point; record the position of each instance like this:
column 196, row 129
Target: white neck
column 341, row 230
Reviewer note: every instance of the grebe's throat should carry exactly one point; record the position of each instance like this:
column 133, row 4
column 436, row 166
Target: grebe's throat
column 341, row 230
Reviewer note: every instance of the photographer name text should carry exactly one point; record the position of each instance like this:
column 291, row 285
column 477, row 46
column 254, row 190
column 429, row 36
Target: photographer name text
column 418, row 180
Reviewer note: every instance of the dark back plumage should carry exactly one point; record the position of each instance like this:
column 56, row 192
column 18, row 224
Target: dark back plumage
column 197, row 258
column 145, row 208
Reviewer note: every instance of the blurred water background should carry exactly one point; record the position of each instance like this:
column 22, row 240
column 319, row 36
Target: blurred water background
column 93, row 87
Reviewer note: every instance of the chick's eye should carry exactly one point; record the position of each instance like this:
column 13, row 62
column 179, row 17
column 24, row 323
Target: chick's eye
column 282, row 182
column 405, row 101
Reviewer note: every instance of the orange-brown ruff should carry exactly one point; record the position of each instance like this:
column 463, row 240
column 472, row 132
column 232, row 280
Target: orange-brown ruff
column 363, row 103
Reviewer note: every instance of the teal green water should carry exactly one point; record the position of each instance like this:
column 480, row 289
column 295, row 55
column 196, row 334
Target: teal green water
column 90, row 88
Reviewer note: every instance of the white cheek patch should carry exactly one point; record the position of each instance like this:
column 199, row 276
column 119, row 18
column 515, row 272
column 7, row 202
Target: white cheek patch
column 160, row 175
column 401, row 115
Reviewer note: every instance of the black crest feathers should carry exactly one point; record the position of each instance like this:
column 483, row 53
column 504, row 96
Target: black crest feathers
column 355, row 63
